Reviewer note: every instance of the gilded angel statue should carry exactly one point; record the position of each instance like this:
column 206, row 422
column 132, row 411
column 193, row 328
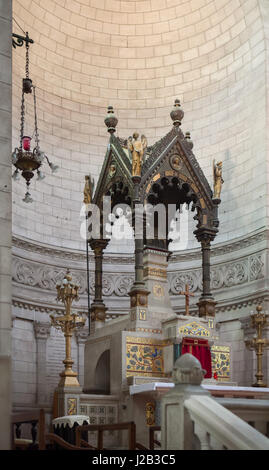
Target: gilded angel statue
column 218, row 181
column 88, row 189
column 137, row 148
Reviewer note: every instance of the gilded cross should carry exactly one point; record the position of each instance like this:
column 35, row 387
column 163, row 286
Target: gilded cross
column 187, row 294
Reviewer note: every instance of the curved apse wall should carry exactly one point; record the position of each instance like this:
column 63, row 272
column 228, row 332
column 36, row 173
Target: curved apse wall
column 139, row 56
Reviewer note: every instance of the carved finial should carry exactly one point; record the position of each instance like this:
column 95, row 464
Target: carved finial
column 177, row 114
column 188, row 140
column 111, row 120
column 188, row 370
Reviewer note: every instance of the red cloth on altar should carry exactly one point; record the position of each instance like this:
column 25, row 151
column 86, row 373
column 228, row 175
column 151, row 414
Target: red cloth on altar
column 200, row 349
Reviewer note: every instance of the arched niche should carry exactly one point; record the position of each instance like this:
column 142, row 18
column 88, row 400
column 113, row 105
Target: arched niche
column 102, row 374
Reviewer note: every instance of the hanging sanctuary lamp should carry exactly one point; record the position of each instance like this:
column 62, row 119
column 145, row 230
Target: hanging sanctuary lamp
column 28, row 157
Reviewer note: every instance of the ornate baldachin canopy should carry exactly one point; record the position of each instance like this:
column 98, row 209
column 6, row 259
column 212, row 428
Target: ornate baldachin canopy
column 170, row 174
column 165, row 173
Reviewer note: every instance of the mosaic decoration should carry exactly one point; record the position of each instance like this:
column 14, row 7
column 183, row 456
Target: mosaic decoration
column 158, row 290
column 71, row 406
column 144, row 357
column 142, row 315
column 102, row 414
column 194, row 329
column 221, row 362
column 210, row 323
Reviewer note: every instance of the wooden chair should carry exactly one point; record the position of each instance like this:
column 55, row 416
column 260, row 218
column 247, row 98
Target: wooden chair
column 152, row 440
column 54, row 442
column 100, row 428
column 37, row 421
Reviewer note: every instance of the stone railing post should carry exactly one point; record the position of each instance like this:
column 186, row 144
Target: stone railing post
column 177, row 427
column 42, row 332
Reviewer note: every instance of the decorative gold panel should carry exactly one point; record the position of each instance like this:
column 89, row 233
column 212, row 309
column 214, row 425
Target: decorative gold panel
column 210, row 323
column 156, row 177
column 144, row 357
column 158, row 290
column 71, row 406
column 194, row 329
column 142, row 315
column 221, row 362
column 156, row 272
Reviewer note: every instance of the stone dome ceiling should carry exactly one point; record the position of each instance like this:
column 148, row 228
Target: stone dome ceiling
column 137, row 56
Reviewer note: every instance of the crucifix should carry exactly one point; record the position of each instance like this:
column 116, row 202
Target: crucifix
column 187, row 294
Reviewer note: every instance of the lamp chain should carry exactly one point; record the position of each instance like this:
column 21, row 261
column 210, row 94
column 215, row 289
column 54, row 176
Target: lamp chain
column 22, row 118
column 27, row 58
column 36, row 128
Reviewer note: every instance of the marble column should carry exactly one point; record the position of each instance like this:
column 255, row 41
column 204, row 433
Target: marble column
column 206, row 303
column 5, row 221
column 81, row 335
column 98, row 308
column 42, row 332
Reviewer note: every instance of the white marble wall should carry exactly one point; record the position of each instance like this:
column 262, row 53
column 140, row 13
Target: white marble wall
column 5, row 221
column 210, row 54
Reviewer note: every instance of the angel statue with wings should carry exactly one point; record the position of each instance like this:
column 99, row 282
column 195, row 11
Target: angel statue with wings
column 218, row 181
column 88, row 189
column 137, row 148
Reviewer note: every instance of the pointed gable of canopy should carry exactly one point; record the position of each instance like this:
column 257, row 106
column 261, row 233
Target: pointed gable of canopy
column 115, row 178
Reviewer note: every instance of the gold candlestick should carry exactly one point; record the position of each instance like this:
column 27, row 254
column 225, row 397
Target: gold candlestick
column 67, row 292
column 258, row 344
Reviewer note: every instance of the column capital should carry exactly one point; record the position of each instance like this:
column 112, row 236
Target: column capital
column 82, row 335
column 205, row 235
column 98, row 246
column 42, row 329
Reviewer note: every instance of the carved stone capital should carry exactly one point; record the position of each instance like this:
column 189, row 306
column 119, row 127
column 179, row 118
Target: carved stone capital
column 82, row 335
column 98, row 246
column 205, row 235
column 42, row 329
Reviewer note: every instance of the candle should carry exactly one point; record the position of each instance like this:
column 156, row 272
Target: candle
column 26, row 142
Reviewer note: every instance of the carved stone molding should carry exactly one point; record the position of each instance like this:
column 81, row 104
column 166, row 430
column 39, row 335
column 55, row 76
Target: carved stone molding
column 32, row 306
column 216, row 250
column 82, row 335
column 42, row 329
column 242, row 304
column 223, row 275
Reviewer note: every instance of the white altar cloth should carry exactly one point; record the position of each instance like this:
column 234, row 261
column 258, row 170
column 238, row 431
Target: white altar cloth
column 70, row 420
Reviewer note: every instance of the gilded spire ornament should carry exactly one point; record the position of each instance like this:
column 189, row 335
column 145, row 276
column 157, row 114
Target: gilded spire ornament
column 88, row 189
column 137, row 148
column 218, row 180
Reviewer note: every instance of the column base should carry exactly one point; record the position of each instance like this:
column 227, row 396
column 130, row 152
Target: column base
column 69, row 380
column 260, row 384
column 139, row 296
column 207, row 307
